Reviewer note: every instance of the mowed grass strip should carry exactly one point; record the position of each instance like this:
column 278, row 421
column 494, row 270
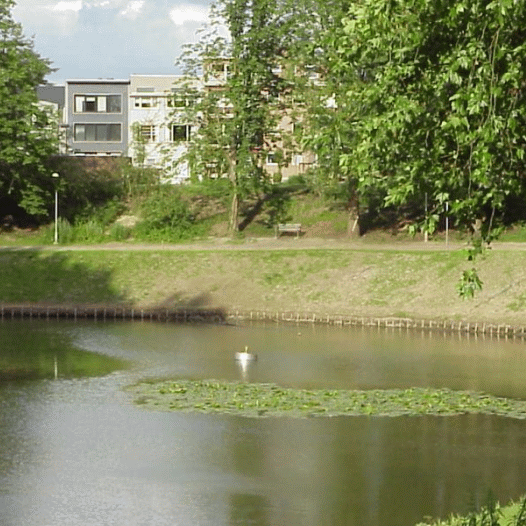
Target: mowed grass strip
column 130, row 276
column 370, row 283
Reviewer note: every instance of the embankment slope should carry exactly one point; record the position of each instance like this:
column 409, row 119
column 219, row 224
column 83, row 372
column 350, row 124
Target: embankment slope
column 335, row 278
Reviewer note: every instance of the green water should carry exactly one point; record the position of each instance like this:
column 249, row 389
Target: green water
column 33, row 351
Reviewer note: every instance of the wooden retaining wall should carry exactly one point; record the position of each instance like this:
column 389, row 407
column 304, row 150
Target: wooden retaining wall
column 97, row 312
column 187, row 315
column 462, row 327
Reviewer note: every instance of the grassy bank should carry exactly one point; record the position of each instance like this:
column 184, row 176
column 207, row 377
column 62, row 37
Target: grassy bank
column 363, row 282
column 513, row 514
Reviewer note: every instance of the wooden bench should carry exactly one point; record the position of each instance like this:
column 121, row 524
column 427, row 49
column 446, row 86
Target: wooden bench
column 294, row 228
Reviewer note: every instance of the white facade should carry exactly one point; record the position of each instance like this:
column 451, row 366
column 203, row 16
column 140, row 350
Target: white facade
column 159, row 132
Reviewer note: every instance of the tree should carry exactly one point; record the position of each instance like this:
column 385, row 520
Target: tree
column 438, row 103
column 238, row 119
column 27, row 138
column 327, row 128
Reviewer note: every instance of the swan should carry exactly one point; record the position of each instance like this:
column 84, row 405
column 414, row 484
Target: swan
column 245, row 356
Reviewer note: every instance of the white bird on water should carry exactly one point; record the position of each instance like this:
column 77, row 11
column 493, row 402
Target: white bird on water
column 245, row 356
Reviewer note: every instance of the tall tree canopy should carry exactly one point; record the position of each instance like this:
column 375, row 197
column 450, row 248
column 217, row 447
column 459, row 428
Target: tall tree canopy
column 26, row 137
column 239, row 119
column 326, row 129
column 436, row 96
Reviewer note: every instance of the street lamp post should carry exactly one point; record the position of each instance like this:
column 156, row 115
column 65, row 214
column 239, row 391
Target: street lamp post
column 56, row 175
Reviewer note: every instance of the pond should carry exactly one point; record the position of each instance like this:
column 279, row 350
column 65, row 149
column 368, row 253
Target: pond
column 75, row 450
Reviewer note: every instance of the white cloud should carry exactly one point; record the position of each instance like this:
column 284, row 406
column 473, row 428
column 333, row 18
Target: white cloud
column 48, row 17
column 189, row 13
column 72, row 5
column 111, row 38
column 133, row 9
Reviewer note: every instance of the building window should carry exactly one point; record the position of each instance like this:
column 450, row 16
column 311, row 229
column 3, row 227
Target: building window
column 297, row 160
column 146, row 102
column 98, row 103
column 180, row 98
column 97, row 133
column 217, row 72
column 181, row 132
column 272, row 158
column 149, row 132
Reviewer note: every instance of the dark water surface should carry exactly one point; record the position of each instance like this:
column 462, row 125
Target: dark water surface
column 75, row 451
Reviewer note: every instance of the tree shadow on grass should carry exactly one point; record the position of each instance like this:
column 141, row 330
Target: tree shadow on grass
column 271, row 208
column 46, row 277
column 184, row 300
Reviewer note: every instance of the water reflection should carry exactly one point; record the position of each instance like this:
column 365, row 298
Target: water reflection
column 77, row 452
column 34, row 350
column 379, row 471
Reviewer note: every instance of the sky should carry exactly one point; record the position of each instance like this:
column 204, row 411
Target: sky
column 110, row 38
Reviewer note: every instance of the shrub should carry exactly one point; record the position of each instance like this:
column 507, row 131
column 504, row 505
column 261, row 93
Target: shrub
column 89, row 231
column 166, row 217
column 119, row 232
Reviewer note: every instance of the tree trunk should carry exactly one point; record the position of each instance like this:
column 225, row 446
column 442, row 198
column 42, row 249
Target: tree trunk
column 353, row 225
column 234, row 223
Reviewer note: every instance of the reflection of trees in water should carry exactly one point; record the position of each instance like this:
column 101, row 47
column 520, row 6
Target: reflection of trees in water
column 249, row 509
column 375, row 471
column 36, row 350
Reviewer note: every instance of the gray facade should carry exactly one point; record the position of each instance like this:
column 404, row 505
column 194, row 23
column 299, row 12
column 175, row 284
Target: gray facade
column 52, row 93
column 97, row 116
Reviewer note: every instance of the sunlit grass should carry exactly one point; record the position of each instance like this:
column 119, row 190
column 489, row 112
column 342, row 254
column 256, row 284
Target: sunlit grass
column 493, row 514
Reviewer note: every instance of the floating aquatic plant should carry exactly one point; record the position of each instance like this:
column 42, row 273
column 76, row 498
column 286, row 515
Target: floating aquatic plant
column 263, row 400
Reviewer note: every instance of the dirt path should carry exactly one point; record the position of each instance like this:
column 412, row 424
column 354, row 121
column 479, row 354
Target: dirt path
column 282, row 243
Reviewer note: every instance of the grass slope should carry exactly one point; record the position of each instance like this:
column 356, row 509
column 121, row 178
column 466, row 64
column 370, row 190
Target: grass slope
column 362, row 282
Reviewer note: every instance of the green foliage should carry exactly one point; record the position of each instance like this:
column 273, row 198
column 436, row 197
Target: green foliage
column 210, row 188
column 437, row 105
column 89, row 231
column 166, row 217
column 108, row 212
column 237, row 120
column 89, row 185
column 97, row 227
column 84, row 232
column 270, row 400
column 278, row 206
column 469, row 284
column 27, row 136
column 119, row 232
column 490, row 515
column 138, row 144
column 34, row 200
column 138, row 180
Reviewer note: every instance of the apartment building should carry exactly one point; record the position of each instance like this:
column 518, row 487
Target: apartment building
column 146, row 119
column 97, row 116
column 282, row 161
column 159, row 130
column 51, row 97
